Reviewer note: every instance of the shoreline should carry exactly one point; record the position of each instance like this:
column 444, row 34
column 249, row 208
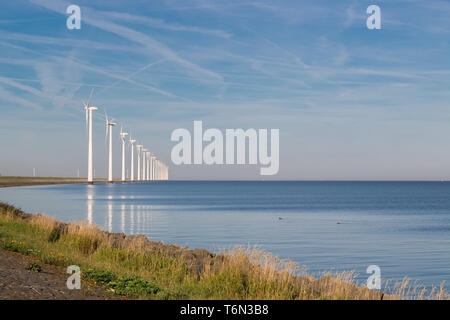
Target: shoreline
column 36, row 183
column 167, row 271
column 138, row 268
column 19, row 181
column 11, row 181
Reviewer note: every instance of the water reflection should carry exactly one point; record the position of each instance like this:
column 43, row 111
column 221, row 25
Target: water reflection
column 393, row 225
column 138, row 216
column 122, row 215
column 131, row 230
column 110, row 213
column 90, row 202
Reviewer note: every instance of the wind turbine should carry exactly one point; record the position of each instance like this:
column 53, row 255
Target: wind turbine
column 122, row 137
column 144, row 154
column 163, row 171
column 109, row 125
column 148, row 164
column 132, row 141
column 158, row 170
column 139, row 151
column 152, row 167
column 89, row 110
column 166, row 173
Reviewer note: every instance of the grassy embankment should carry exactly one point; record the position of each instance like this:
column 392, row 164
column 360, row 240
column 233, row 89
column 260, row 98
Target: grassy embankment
column 138, row 268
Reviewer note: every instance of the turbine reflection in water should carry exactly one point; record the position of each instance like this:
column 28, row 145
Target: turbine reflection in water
column 90, row 203
column 391, row 224
column 122, row 214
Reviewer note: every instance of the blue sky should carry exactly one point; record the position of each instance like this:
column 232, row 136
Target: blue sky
column 350, row 103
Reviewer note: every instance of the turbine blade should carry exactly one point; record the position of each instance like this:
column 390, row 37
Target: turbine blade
column 106, row 132
column 90, row 96
column 87, row 119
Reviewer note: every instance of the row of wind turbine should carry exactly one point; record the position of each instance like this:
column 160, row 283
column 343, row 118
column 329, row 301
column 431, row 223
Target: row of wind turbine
column 148, row 166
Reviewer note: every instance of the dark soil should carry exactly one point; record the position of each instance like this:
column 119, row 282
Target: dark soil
column 18, row 283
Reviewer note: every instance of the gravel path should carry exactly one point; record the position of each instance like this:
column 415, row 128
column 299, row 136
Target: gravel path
column 17, row 283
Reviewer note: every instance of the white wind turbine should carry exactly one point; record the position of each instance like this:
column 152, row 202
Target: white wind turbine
column 148, row 164
column 109, row 125
column 156, row 169
column 151, row 156
column 88, row 109
column 122, row 137
column 152, row 167
column 144, row 156
column 132, row 141
column 139, row 150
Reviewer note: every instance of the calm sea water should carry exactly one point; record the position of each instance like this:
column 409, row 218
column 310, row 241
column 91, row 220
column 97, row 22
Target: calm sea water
column 403, row 227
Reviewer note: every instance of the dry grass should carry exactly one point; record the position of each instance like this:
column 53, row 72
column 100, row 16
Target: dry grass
column 236, row 273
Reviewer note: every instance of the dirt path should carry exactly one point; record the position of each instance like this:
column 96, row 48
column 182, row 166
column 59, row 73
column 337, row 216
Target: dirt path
column 17, row 283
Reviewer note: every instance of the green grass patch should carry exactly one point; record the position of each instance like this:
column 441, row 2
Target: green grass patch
column 128, row 285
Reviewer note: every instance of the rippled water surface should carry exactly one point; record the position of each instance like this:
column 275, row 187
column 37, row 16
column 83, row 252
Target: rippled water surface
column 403, row 227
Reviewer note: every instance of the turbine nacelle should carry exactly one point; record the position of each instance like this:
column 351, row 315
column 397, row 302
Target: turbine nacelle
column 122, row 134
column 109, row 123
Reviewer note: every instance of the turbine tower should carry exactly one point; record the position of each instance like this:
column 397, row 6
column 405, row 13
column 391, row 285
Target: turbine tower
column 132, row 159
column 152, row 165
column 148, row 164
column 109, row 125
column 166, row 176
column 122, row 137
column 144, row 156
column 158, row 170
column 150, row 157
column 88, row 109
column 139, row 151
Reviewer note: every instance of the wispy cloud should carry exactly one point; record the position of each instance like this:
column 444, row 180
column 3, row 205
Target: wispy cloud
column 52, row 78
column 95, row 18
column 22, row 87
column 6, row 95
column 161, row 24
column 310, row 68
column 57, row 42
